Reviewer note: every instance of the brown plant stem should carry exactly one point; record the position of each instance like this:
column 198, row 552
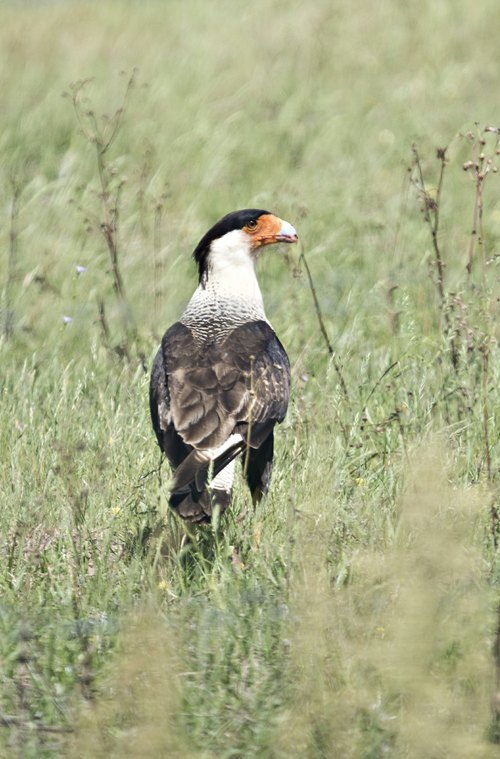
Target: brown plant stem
column 480, row 167
column 431, row 208
column 110, row 192
column 322, row 327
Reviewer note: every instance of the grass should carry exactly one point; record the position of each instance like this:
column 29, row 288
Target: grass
column 355, row 612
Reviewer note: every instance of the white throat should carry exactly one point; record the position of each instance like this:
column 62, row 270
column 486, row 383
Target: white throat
column 230, row 289
column 231, row 267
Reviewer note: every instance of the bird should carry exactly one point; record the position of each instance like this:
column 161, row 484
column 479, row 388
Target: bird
column 220, row 380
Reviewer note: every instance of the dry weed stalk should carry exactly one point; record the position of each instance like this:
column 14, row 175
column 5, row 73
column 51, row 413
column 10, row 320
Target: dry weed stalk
column 475, row 337
column 102, row 133
column 479, row 167
column 322, row 328
column 431, row 210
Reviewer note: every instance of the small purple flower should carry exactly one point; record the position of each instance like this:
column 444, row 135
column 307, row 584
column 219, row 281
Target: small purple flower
column 80, row 269
column 67, row 319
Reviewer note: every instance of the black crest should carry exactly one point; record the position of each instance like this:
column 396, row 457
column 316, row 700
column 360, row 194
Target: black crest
column 234, row 220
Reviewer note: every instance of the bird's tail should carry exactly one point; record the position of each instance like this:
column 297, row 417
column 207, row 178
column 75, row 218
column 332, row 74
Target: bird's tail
column 199, row 509
column 191, row 495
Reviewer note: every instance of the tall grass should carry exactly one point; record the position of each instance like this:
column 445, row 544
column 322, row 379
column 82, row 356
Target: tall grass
column 394, row 659
column 355, row 612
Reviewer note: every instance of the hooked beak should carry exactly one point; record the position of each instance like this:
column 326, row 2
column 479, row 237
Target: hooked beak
column 286, row 233
column 273, row 230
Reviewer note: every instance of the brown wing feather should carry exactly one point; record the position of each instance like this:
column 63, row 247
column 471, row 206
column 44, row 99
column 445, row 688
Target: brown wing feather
column 214, row 387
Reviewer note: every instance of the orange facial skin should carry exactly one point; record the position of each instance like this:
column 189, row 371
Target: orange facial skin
column 269, row 229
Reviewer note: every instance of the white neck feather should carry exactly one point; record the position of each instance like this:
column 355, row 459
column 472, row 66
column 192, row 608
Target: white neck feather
column 231, row 267
column 230, row 282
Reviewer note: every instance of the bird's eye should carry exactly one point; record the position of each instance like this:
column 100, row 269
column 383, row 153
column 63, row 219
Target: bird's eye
column 252, row 224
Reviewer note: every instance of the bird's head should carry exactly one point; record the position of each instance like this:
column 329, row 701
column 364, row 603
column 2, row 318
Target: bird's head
column 240, row 233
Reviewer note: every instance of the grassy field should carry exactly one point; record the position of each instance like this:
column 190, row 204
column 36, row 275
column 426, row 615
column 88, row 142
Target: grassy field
column 354, row 614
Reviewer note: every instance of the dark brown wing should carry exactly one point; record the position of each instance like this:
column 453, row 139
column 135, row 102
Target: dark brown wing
column 159, row 402
column 210, row 389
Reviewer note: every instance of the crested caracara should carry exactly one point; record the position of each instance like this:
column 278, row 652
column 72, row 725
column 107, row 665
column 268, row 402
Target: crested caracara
column 221, row 378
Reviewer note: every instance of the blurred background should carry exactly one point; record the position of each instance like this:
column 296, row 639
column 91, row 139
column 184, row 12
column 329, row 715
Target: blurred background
column 355, row 614
column 308, row 111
